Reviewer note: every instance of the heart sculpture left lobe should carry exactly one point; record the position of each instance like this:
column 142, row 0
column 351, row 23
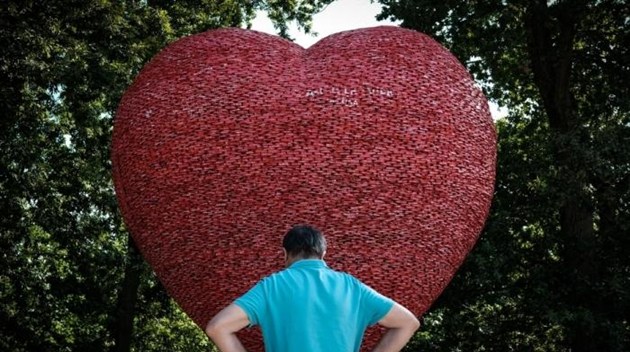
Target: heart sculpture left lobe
column 377, row 136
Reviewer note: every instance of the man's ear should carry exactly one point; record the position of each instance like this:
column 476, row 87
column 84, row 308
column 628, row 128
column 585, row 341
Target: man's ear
column 323, row 254
column 285, row 254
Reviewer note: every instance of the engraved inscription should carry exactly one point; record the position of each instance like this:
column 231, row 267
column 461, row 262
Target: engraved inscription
column 347, row 96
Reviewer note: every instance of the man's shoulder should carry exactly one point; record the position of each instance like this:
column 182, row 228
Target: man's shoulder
column 347, row 276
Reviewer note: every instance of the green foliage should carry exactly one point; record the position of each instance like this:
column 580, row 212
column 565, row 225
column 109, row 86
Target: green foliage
column 160, row 324
column 63, row 245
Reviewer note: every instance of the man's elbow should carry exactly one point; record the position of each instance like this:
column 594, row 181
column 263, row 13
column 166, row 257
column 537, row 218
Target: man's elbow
column 415, row 324
column 213, row 329
column 411, row 325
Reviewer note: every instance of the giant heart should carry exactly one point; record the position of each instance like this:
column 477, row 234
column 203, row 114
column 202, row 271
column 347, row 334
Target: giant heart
column 379, row 137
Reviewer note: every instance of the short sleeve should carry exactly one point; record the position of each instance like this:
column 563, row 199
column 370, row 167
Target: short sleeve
column 375, row 305
column 253, row 303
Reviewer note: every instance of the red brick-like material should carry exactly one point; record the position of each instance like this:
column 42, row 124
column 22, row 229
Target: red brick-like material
column 378, row 137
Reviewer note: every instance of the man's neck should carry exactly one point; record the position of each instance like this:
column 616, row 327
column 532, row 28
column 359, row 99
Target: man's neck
column 290, row 261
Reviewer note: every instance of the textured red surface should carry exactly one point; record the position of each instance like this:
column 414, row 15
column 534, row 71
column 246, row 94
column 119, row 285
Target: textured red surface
column 376, row 136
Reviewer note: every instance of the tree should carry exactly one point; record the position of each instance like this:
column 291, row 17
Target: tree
column 71, row 276
column 561, row 69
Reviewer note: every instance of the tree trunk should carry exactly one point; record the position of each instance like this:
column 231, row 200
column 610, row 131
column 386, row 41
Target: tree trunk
column 551, row 60
column 123, row 328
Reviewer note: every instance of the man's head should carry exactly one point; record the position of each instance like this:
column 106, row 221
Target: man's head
column 303, row 242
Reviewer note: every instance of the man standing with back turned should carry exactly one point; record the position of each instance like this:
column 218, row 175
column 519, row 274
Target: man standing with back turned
column 309, row 307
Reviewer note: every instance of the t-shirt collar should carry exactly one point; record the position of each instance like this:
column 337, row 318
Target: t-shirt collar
column 309, row 263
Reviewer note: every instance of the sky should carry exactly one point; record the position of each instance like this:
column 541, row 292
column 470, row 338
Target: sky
column 341, row 15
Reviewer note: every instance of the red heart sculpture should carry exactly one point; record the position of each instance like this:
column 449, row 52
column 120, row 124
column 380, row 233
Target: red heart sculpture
column 377, row 136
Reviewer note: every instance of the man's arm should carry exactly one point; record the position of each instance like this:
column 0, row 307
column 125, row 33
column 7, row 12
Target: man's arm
column 223, row 327
column 402, row 325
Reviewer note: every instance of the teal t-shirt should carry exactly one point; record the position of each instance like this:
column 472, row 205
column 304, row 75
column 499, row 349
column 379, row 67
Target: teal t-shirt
column 309, row 307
